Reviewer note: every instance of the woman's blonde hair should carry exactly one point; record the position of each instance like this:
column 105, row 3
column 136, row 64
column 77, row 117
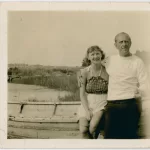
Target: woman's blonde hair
column 86, row 61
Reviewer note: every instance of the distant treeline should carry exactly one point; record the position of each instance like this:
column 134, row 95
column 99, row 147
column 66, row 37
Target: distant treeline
column 31, row 70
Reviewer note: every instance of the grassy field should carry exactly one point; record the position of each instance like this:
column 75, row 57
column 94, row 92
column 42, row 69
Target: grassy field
column 59, row 78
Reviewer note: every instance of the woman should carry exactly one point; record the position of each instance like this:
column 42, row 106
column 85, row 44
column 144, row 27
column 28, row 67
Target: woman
column 93, row 81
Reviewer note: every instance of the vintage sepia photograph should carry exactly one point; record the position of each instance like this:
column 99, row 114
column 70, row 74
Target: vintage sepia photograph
column 78, row 74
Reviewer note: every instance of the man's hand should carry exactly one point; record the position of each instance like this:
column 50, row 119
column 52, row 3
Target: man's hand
column 137, row 94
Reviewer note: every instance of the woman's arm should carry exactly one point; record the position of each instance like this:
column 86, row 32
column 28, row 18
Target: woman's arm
column 82, row 76
column 104, row 74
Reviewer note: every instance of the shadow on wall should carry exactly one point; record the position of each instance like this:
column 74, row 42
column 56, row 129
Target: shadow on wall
column 145, row 56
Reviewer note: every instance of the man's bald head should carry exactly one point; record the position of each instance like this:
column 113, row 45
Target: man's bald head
column 120, row 34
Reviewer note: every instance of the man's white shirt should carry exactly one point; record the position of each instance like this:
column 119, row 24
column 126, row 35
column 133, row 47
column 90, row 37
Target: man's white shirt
column 126, row 76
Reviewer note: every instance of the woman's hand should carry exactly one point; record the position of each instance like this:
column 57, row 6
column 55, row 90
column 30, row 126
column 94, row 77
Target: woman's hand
column 89, row 114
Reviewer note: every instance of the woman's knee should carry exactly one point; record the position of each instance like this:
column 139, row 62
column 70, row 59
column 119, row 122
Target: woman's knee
column 83, row 126
column 84, row 129
column 95, row 122
column 92, row 128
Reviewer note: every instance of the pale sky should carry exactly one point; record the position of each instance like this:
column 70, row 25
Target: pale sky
column 59, row 38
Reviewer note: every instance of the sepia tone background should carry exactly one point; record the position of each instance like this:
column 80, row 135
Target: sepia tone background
column 60, row 38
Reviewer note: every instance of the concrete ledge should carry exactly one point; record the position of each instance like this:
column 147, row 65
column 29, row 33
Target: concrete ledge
column 43, row 109
column 45, row 103
column 41, row 134
column 56, row 119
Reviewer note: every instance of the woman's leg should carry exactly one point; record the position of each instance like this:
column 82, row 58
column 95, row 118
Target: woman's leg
column 95, row 122
column 84, row 128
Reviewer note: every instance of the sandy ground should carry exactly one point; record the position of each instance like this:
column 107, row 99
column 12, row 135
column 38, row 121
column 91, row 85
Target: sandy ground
column 19, row 92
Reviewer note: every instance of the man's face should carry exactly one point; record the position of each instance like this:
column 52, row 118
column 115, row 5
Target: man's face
column 123, row 44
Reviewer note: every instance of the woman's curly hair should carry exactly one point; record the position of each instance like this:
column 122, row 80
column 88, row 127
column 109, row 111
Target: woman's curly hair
column 86, row 62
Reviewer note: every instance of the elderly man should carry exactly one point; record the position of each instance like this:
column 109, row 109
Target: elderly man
column 127, row 77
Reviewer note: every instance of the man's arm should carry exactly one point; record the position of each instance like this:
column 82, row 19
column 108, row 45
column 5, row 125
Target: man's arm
column 144, row 81
column 144, row 86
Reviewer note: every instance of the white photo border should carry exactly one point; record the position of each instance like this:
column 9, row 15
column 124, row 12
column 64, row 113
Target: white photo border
column 57, row 6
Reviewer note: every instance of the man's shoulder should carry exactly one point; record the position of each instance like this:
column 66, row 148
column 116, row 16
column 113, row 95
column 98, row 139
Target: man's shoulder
column 137, row 58
column 139, row 63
